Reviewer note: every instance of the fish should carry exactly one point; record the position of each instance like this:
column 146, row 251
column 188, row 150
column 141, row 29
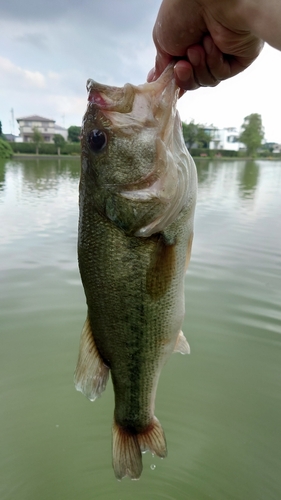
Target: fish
column 137, row 197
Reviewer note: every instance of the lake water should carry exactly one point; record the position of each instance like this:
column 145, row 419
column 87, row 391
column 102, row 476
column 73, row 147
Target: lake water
column 220, row 407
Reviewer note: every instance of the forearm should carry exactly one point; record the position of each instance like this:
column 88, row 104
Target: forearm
column 264, row 19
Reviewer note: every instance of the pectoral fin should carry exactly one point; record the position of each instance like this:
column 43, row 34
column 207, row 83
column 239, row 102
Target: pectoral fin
column 91, row 373
column 162, row 268
column 182, row 345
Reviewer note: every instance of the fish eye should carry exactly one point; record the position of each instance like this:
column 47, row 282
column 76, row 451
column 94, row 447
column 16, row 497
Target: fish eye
column 97, row 140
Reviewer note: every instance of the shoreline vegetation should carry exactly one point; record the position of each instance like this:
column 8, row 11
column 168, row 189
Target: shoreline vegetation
column 197, row 139
column 208, row 155
column 73, row 150
column 29, row 156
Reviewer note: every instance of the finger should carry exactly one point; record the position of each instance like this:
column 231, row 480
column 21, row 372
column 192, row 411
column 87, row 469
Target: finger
column 161, row 62
column 184, row 75
column 223, row 66
column 242, row 60
column 218, row 63
column 197, row 57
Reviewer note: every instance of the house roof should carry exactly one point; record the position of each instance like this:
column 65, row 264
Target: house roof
column 35, row 118
column 58, row 127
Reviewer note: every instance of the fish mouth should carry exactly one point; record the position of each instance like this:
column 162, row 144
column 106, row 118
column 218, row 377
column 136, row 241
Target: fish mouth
column 121, row 99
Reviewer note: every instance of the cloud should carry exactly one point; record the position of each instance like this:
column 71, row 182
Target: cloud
column 36, row 9
column 119, row 16
column 17, row 77
column 37, row 40
column 49, row 94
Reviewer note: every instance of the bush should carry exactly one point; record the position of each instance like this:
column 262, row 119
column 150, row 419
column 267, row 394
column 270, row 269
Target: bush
column 5, row 149
column 45, row 149
column 212, row 153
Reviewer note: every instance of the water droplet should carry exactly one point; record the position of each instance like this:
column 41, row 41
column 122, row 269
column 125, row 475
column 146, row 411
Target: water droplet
column 153, row 466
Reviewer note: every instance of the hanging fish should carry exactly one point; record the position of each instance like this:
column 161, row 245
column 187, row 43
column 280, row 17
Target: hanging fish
column 137, row 198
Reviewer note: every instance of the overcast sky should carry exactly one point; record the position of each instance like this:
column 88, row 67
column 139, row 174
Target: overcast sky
column 49, row 49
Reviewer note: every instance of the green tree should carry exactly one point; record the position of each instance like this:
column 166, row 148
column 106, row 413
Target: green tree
column 252, row 133
column 203, row 138
column 37, row 138
column 5, row 149
column 74, row 133
column 190, row 131
column 194, row 134
column 59, row 141
column 2, row 136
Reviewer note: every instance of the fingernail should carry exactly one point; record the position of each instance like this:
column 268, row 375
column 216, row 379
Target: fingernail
column 193, row 57
column 183, row 75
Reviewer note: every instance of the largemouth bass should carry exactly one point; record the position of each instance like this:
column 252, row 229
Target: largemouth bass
column 137, row 199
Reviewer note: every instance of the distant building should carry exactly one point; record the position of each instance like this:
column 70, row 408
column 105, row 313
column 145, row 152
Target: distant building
column 10, row 137
column 273, row 147
column 46, row 126
column 225, row 138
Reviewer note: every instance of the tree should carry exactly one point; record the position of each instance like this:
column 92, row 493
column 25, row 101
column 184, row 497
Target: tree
column 203, row 138
column 74, row 133
column 190, row 132
column 2, row 136
column 194, row 134
column 59, row 141
column 5, row 149
column 252, row 133
column 37, row 138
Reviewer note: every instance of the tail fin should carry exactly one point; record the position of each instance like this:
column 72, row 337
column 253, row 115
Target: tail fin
column 127, row 448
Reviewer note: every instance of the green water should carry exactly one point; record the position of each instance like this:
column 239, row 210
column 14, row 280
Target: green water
column 220, row 406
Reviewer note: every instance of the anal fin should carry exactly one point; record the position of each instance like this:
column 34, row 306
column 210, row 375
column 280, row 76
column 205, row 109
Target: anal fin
column 91, row 373
column 182, row 345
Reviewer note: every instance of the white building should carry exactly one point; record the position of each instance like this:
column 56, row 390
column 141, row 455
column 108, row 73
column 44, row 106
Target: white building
column 225, row 138
column 46, row 126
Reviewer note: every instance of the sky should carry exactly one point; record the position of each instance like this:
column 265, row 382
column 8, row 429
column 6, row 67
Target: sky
column 48, row 50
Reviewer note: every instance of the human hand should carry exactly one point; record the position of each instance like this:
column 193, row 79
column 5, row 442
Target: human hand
column 207, row 50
